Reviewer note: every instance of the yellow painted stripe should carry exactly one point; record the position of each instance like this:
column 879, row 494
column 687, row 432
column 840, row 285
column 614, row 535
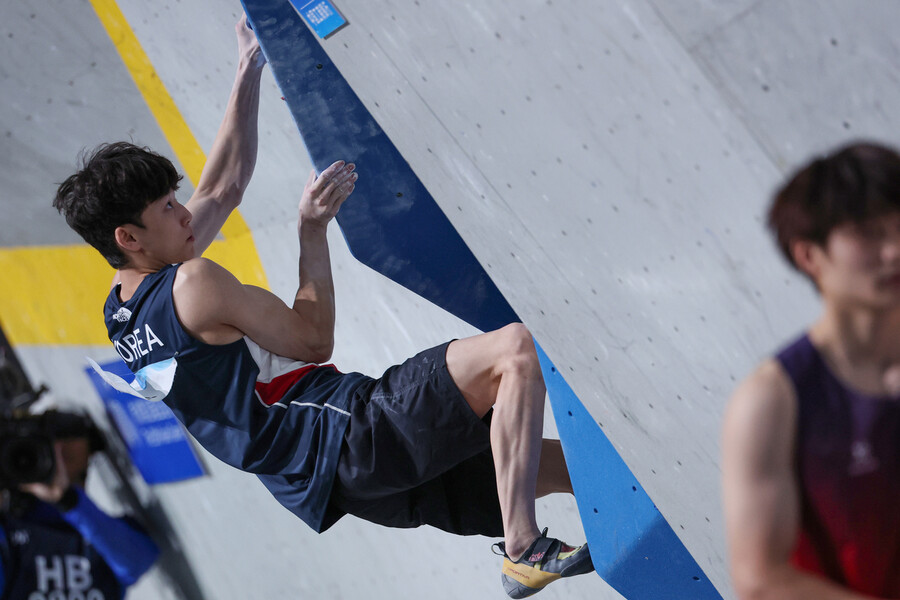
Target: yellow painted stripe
column 158, row 100
column 54, row 295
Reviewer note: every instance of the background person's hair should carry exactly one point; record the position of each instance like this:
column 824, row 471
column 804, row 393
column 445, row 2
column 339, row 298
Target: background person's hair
column 852, row 184
column 113, row 187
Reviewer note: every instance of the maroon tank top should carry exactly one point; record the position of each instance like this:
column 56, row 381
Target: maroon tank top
column 848, row 467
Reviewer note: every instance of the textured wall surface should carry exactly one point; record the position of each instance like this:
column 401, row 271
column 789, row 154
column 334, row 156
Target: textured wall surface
column 609, row 163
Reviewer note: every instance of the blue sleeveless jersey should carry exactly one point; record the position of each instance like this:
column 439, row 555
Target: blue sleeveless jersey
column 280, row 419
column 848, row 466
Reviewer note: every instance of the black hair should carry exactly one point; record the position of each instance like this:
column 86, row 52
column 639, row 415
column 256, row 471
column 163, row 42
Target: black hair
column 850, row 185
column 115, row 184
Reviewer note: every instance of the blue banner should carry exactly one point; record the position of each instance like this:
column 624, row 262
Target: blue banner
column 155, row 439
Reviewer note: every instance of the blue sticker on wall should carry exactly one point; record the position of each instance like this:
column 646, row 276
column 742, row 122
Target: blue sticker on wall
column 156, row 442
column 321, row 15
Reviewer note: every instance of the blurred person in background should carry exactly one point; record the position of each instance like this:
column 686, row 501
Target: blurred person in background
column 55, row 543
column 811, row 440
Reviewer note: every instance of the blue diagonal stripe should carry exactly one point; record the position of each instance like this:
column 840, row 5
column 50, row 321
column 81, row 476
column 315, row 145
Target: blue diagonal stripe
column 393, row 225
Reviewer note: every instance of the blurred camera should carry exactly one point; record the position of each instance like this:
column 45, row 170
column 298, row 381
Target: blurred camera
column 26, row 444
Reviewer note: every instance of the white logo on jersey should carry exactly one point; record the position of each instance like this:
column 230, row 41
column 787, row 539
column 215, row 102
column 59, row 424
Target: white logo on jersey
column 65, row 577
column 863, row 459
column 137, row 344
column 20, row 537
column 122, row 315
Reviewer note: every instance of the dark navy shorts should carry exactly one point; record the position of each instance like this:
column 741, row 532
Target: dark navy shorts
column 416, row 454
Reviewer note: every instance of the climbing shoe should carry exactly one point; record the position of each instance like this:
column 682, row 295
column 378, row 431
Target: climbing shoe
column 545, row 561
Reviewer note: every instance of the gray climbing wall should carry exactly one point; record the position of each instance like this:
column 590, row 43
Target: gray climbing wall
column 609, row 164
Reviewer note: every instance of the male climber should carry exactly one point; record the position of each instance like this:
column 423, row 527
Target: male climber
column 450, row 438
column 811, row 444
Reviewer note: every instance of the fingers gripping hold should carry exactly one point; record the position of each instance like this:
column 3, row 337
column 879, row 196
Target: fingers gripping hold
column 248, row 45
column 323, row 195
column 335, row 183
